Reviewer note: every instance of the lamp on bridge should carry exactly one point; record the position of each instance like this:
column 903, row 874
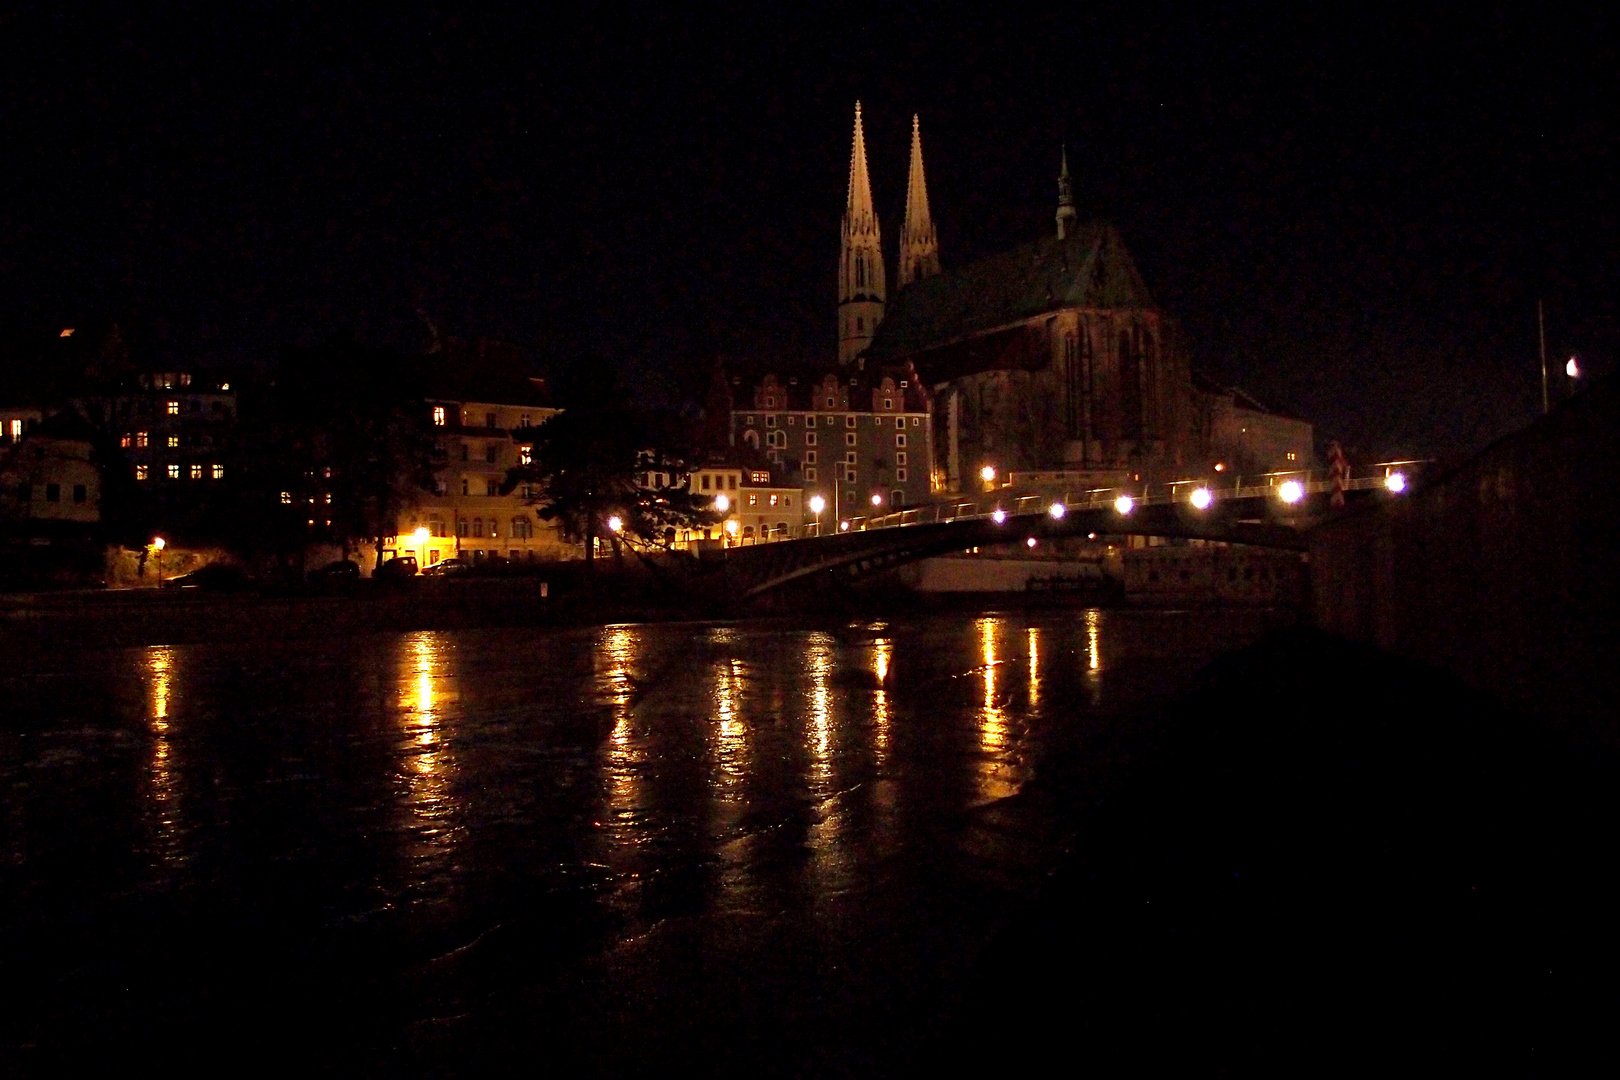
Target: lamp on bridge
column 1057, row 510
column 1572, row 369
column 999, row 517
column 1124, row 504
column 1291, row 491
column 817, row 505
column 988, row 475
column 1395, row 482
column 877, row 500
column 1201, row 498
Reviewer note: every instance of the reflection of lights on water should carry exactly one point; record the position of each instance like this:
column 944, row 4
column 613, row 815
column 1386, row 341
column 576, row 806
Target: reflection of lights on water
column 160, row 672
column 1034, row 667
column 619, row 648
column 1093, row 639
column 818, row 664
column 994, row 729
column 882, row 656
column 732, row 744
column 427, row 762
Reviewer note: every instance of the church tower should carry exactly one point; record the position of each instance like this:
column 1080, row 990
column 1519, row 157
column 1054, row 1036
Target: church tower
column 860, row 259
column 919, row 247
column 1066, row 215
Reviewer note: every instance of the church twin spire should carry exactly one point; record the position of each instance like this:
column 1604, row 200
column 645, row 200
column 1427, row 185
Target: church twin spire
column 861, row 276
column 919, row 247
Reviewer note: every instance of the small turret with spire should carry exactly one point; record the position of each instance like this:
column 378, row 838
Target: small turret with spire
column 1066, row 214
column 861, row 279
column 919, row 247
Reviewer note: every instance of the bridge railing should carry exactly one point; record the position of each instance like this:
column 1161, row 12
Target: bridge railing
column 1392, row 476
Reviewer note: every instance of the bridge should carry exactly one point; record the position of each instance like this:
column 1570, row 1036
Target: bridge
column 1273, row 515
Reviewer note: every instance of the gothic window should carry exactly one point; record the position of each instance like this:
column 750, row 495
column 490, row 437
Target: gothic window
column 751, row 437
column 897, row 499
column 860, row 272
column 1130, row 386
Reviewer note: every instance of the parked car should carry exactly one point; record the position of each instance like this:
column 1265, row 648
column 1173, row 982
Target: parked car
column 332, row 572
column 448, row 568
column 397, row 569
column 215, row 577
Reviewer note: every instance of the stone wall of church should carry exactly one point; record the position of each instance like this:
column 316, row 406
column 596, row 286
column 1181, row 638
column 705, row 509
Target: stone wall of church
column 1115, row 395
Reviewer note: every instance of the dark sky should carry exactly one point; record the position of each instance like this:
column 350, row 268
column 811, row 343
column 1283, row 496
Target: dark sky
column 1352, row 213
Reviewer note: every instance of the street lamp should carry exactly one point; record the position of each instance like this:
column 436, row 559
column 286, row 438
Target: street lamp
column 1124, row 505
column 877, row 500
column 817, row 505
column 1395, row 482
column 1572, row 369
column 988, row 475
column 1057, row 510
column 1291, row 491
column 421, row 537
column 721, row 503
column 616, row 523
column 1201, row 498
column 158, row 545
column 843, row 526
column 999, row 517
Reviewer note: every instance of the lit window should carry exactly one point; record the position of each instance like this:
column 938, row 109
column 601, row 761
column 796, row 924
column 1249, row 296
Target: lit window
column 174, row 472
column 219, row 472
column 1292, row 456
column 525, row 455
column 773, row 500
column 327, row 498
column 286, row 498
column 753, row 500
column 172, row 408
column 140, row 472
column 141, row 439
column 196, row 472
column 438, row 416
column 174, row 441
column 17, row 430
column 125, row 440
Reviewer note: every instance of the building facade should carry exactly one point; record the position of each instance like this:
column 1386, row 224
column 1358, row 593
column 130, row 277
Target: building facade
column 472, row 512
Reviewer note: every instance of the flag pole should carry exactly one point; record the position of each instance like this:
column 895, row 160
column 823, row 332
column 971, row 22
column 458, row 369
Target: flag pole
column 1541, row 326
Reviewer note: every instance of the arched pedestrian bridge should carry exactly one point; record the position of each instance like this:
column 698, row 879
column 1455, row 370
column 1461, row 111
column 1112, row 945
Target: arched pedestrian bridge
column 1258, row 515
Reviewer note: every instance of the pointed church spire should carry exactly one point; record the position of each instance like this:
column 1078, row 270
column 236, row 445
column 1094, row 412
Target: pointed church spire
column 919, row 247
column 1066, row 215
column 860, row 259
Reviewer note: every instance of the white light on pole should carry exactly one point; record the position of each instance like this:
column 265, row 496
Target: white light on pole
column 721, row 503
column 817, row 504
column 999, row 517
column 1124, row 504
column 1291, row 491
column 1057, row 510
column 1201, row 498
column 616, row 523
column 1395, row 482
column 1572, row 369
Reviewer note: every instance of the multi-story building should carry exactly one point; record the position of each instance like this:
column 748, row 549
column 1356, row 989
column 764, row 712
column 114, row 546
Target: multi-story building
column 472, row 512
column 175, row 429
column 863, row 442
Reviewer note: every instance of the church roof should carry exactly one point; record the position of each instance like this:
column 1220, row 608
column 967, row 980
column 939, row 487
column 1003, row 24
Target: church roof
column 1089, row 269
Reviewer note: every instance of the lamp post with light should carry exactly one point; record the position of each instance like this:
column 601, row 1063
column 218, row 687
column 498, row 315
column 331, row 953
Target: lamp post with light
column 158, row 544
column 817, row 505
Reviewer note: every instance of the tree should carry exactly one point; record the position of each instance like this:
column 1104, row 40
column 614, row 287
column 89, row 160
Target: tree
column 587, row 462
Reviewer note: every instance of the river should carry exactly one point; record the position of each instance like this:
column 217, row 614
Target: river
column 776, row 840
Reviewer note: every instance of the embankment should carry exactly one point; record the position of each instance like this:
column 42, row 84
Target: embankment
column 1501, row 572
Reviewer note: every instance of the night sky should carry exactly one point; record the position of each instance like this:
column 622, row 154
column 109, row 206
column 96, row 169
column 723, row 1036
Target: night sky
column 1352, row 214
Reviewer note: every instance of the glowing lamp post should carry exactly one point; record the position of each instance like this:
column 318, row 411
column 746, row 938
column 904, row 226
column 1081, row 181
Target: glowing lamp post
column 877, row 500
column 1291, row 491
column 1395, row 482
column 817, row 505
column 616, row 524
column 1201, row 498
column 158, row 545
column 988, row 475
column 1124, row 505
column 1572, row 369
column 999, row 517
